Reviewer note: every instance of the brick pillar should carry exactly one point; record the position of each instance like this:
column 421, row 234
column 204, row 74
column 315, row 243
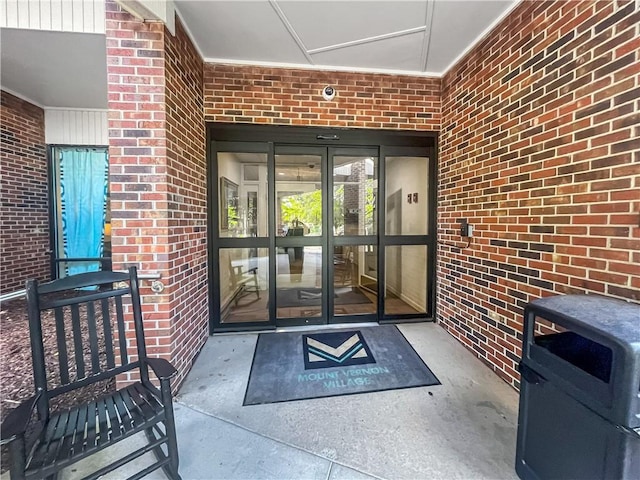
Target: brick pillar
column 187, row 190
column 137, row 157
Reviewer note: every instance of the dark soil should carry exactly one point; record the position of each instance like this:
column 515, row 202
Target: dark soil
column 16, row 370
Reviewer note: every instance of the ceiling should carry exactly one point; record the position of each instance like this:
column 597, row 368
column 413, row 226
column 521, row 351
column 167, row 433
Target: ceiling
column 417, row 37
column 55, row 69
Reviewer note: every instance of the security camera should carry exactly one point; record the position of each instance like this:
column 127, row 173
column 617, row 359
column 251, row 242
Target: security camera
column 328, row 93
column 311, row 165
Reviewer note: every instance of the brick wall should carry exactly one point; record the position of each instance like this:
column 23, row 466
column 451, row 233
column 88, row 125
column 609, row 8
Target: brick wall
column 24, row 216
column 157, row 198
column 242, row 94
column 540, row 151
column 187, row 197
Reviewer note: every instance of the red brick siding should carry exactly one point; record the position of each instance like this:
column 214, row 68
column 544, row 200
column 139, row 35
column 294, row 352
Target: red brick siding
column 241, row 94
column 24, row 217
column 187, row 197
column 539, row 150
column 157, row 175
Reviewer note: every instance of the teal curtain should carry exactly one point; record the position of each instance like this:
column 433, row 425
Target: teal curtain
column 83, row 192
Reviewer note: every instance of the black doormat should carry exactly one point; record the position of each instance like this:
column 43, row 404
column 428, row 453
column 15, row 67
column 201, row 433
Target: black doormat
column 303, row 365
column 304, row 297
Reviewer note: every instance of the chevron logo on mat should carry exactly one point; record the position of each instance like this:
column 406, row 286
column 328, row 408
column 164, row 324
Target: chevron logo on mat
column 335, row 349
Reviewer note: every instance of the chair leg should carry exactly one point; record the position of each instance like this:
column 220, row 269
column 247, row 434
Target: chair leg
column 151, row 437
column 257, row 287
column 240, row 294
column 170, row 431
column 172, row 447
column 18, row 459
column 159, row 453
column 169, row 470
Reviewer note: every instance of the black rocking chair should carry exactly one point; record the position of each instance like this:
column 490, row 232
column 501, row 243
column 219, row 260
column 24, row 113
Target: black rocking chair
column 91, row 346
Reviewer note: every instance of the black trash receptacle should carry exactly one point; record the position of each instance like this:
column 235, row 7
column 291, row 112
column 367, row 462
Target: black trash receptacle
column 579, row 415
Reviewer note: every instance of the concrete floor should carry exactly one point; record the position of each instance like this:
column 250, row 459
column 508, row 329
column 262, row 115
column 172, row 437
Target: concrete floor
column 464, row 428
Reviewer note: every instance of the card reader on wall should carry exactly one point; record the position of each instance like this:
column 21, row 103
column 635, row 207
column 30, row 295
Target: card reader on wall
column 466, row 229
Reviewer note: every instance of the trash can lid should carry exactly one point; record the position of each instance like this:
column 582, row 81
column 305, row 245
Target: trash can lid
column 610, row 316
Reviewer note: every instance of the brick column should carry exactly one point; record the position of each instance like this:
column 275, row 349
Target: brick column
column 187, row 190
column 149, row 196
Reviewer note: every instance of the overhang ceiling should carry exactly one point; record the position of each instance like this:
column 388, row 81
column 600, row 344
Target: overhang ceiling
column 55, row 69
column 417, row 37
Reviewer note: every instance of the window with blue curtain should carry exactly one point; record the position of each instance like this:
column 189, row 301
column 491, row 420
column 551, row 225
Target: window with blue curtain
column 82, row 224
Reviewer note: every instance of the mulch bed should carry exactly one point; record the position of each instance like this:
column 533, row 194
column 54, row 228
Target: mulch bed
column 16, row 371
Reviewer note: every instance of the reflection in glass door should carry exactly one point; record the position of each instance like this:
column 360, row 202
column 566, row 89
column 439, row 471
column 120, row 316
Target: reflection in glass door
column 406, row 236
column 313, row 285
column 353, row 241
column 243, row 256
column 300, row 208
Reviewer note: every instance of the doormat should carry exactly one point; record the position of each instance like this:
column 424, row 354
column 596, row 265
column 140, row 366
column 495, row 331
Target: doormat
column 326, row 363
column 304, row 297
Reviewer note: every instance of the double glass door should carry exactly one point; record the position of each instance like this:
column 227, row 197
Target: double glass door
column 299, row 238
column 326, row 222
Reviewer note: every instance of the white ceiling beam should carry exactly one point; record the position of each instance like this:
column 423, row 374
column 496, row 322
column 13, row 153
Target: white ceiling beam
column 138, row 9
column 152, row 10
column 362, row 41
column 323, row 68
column 424, row 59
column 287, row 24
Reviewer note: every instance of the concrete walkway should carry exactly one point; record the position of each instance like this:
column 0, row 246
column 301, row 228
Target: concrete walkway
column 462, row 429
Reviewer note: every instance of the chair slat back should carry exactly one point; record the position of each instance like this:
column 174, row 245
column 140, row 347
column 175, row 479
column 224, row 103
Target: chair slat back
column 108, row 335
column 87, row 314
column 63, row 359
column 121, row 338
column 93, row 338
column 77, row 337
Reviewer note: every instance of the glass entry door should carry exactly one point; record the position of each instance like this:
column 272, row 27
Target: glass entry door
column 325, row 211
column 316, row 234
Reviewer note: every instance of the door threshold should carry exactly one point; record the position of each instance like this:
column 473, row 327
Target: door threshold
column 300, row 328
column 304, row 328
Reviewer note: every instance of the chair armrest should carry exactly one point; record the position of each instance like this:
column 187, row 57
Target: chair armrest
column 17, row 421
column 162, row 368
column 253, row 270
